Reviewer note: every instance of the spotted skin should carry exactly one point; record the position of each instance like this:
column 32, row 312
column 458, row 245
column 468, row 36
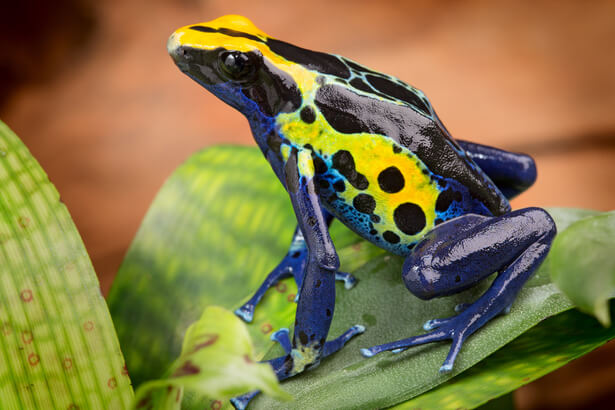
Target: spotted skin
column 368, row 149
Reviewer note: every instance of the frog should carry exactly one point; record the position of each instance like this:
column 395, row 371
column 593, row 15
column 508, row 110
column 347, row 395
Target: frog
column 352, row 144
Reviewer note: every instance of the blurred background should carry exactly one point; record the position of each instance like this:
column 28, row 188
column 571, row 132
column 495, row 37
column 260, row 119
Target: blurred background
column 89, row 88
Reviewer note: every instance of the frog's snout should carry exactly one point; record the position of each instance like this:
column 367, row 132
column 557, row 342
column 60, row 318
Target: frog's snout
column 174, row 48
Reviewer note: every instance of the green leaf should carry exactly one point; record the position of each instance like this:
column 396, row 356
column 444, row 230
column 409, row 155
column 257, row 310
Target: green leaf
column 583, row 264
column 57, row 343
column 215, row 230
column 217, row 360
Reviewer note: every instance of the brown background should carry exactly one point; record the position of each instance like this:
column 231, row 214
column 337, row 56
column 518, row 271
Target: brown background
column 91, row 91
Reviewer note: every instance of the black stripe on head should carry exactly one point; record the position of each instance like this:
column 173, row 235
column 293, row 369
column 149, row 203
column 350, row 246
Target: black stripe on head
column 226, row 31
column 314, row 60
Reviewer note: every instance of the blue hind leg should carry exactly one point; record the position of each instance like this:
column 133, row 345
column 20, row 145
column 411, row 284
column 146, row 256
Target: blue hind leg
column 512, row 173
column 293, row 264
column 464, row 250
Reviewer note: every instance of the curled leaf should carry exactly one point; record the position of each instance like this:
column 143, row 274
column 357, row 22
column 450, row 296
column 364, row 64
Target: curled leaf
column 217, row 360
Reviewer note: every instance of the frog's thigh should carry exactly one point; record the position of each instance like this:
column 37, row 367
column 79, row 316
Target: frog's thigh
column 512, row 172
column 459, row 253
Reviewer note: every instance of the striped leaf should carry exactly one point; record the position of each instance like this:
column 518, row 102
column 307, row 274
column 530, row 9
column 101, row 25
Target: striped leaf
column 58, row 345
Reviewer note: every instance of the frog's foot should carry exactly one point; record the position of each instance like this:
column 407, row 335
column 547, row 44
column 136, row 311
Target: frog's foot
column 349, row 280
column 456, row 328
column 299, row 359
column 478, row 246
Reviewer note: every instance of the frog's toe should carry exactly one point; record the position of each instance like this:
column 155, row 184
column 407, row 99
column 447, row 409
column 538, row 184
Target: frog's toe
column 246, row 312
column 435, row 323
column 241, row 402
column 461, row 307
column 349, row 280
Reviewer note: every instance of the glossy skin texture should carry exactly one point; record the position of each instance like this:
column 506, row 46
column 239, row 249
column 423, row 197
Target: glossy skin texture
column 365, row 148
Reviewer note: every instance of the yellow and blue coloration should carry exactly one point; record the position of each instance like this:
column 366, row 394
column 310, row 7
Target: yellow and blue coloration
column 354, row 144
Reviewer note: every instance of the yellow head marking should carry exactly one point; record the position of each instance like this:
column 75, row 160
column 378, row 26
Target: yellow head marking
column 238, row 33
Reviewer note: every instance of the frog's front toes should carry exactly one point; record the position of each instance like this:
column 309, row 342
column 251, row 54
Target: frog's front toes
column 349, row 280
column 246, row 312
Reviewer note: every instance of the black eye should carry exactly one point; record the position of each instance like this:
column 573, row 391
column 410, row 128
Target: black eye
column 236, row 65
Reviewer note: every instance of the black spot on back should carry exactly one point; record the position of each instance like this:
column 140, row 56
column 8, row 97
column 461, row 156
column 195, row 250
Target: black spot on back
column 303, row 337
column 390, row 237
column 444, row 200
column 391, row 180
column 320, row 167
column 360, row 85
column 409, row 218
column 364, row 203
column 397, row 149
column 314, row 60
column 308, row 115
column 398, row 91
column 323, row 183
column 339, row 186
column 342, row 121
column 344, row 163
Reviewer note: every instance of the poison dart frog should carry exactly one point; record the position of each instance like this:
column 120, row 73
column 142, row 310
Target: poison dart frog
column 354, row 144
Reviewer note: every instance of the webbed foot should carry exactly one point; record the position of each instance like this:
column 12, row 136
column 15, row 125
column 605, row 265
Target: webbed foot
column 456, row 328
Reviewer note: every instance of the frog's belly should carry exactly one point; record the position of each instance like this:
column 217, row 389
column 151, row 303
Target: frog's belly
column 390, row 200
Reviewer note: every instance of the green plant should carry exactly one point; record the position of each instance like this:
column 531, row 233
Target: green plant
column 217, row 226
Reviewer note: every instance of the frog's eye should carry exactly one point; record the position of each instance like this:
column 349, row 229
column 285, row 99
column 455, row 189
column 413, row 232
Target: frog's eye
column 236, row 65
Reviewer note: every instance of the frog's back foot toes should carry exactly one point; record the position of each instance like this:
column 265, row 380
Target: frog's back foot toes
column 461, row 307
column 246, row 312
column 241, row 402
column 401, row 345
column 435, row 323
column 349, row 280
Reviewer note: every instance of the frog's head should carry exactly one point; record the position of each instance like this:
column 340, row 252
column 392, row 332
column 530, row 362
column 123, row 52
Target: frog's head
column 233, row 59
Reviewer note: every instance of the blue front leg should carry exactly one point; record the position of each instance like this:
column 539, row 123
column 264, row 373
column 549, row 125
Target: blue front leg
column 317, row 293
column 293, row 264
column 459, row 253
